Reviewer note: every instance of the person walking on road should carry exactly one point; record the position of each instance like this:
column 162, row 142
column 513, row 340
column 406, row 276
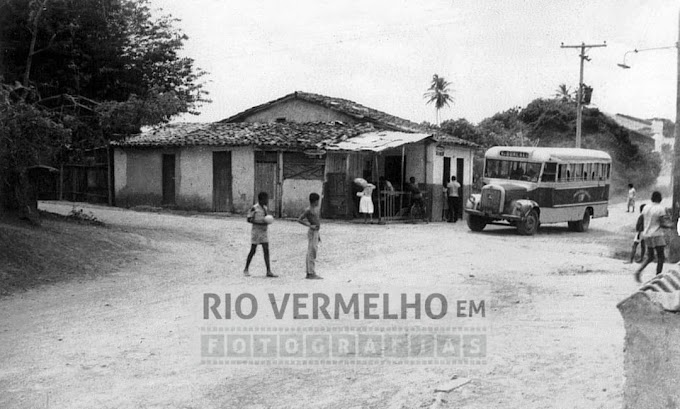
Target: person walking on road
column 654, row 217
column 631, row 198
column 256, row 217
column 453, row 200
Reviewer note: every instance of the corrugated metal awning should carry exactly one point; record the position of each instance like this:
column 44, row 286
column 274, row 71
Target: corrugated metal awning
column 377, row 141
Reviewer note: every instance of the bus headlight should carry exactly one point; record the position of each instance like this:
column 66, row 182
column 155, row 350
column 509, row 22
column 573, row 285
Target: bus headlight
column 473, row 201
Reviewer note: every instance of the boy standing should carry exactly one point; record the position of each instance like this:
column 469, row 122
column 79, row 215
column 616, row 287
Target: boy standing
column 311, row 218
column 258, row 234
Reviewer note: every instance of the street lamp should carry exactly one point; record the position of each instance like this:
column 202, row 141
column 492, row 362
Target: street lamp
column 676, row 149
column 623, row 64
column 626, row 66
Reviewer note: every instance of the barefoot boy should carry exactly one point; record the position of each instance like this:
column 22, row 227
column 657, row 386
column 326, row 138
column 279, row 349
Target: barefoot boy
column 258, row 235
column 311, row 218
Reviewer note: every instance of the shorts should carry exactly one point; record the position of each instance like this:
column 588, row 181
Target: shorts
column 259, row 234
column 655, row 241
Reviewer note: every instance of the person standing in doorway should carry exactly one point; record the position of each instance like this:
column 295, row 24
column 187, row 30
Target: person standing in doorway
column 312, row 219
column 631, row 198
column 258, row 235
column 653, row 234
column 366, row 203
column 453, row 200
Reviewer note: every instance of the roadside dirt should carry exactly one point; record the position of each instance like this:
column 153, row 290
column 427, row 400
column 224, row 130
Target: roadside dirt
column 128, row 338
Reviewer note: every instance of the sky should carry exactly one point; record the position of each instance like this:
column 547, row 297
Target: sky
column 496, row 54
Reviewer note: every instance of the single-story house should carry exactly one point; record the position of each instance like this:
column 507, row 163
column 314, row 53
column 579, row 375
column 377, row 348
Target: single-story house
column 288, row 147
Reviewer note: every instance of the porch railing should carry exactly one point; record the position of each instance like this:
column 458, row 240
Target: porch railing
column 396, row 205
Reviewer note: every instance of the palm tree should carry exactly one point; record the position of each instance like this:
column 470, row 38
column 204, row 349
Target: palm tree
column 438, row 93
column 564, row 93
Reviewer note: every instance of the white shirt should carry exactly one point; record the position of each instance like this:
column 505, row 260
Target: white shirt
column 652, row 215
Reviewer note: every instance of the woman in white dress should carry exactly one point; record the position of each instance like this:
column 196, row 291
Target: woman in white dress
column 366, row 202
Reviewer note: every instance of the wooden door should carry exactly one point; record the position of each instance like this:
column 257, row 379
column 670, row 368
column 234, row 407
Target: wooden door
column 266, row 164
column 168, row 179
column 222, row 200
column 336, row 195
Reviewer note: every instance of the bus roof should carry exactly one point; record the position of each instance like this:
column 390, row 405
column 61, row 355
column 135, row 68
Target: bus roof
column 535, row 154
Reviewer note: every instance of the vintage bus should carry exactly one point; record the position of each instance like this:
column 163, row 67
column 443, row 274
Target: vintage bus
column 529, row 186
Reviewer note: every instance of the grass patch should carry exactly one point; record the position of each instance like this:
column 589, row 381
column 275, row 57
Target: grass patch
column 63, row 248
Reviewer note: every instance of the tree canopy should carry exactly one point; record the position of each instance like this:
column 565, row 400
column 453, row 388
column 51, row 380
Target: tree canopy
column 109, row 64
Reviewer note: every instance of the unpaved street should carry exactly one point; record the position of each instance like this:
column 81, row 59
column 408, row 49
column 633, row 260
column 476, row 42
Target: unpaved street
column 129, row 339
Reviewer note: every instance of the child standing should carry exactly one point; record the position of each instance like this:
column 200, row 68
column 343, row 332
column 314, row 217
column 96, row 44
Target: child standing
column 631, row 198
column 311, row 218
column 366, row 202
column 258, row 234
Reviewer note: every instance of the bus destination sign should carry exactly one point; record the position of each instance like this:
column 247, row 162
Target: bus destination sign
column 512, row 154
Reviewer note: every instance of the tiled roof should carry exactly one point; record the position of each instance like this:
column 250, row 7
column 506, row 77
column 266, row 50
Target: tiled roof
column 288, row 135
column 446, row 139
column 347, row 107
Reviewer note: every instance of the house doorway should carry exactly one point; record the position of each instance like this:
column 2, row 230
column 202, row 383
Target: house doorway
column 168, row 179
column 446, row 175
column 222, row 201
column 460, row 177
column 393, row 171
column 265, row 176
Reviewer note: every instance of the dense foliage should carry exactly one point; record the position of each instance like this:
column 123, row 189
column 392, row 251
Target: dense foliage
column 86, row 71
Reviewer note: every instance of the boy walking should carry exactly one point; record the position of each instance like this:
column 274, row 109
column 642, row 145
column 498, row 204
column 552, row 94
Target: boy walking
column 311, row 218
column 258, row 234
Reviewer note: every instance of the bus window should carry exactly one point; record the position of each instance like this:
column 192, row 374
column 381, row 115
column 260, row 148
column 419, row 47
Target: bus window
column 549, row 172
column 564, row 171
column 578, row 171
column 587, row 169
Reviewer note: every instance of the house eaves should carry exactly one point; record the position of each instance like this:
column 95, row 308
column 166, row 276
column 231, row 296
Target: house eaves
column 375, row 141
column 280, row 136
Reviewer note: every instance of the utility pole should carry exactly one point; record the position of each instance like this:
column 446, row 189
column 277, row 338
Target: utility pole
column 579, row 96
column 676, row 149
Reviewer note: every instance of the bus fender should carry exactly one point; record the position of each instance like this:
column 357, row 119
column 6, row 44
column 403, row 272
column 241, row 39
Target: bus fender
column 522, row 207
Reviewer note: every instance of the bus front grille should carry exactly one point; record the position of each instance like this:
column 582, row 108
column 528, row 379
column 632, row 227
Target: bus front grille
column 491, row 200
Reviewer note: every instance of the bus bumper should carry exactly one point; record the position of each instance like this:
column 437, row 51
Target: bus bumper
column 491, row 216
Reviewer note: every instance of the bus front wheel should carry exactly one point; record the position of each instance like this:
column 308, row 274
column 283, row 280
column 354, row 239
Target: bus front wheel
column 529, row 225
column 581, row 225
column 476, row 223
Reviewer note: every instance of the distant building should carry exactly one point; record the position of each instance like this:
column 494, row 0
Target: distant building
column 646, row 128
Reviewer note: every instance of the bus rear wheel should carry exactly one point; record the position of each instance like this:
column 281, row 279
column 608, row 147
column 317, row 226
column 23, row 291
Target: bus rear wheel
column 581, row 225
column 529, row 226
column 476, row 223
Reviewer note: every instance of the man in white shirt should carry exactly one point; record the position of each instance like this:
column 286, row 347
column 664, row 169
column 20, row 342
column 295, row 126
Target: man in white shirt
column 453, row 200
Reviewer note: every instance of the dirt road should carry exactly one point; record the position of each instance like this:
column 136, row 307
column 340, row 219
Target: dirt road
column 129, row 338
